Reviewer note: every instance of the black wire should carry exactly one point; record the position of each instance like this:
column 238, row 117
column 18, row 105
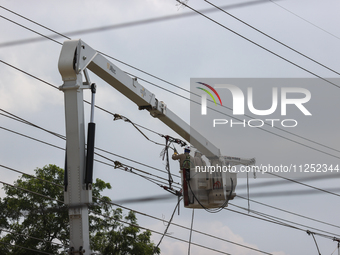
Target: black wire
column 169, row 222
column 307, row 185
column 61, row 148
column 192, row 223
column 272, row 38
column 17, row 118
column 25, row 248
column 280, row 219
column 279, row 209
column 209, row 108
column 153, row 217
column 305, row 19
column 262, row 129
column 118, row 117
column 32, row 237
column 18, row 24
column 116, row 26
column 317, row 247
column 262, row 47
column 176, row 238
column 191, row 92
column 112, row 218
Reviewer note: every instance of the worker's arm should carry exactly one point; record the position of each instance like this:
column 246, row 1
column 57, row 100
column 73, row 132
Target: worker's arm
column 176, row 156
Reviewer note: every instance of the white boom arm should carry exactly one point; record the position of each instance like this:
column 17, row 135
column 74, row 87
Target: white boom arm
column 78, row 52
column 74, row 58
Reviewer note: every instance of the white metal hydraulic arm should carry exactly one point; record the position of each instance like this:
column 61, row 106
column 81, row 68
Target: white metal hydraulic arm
column 75, row 57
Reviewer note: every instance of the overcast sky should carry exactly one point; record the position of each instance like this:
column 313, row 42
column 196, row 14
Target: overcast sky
column 177, row 50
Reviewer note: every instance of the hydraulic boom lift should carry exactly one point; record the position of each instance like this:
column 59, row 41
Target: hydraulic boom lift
column 75, row 58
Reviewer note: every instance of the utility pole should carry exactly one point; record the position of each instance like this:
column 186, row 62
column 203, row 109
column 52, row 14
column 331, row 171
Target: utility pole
column 78, row 179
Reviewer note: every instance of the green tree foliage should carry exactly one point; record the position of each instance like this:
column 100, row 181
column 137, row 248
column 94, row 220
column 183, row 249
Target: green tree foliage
column 40, row 223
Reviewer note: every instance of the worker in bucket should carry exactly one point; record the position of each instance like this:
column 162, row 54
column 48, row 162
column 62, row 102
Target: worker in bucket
column 185, row 159
column 186, row 162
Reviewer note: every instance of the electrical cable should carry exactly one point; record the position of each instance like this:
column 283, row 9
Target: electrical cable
column 291, row 140
column 272, row 221
column 64, row 138
column 192, row 223
column 272, row 38
column 146, row 177
column 304, row 184
column 296, row 214
column 117, row 219
column 61, row 148
column 280, row 182
column 282, row 220
column 35, row 193
column 262, row 47
column 278, row 223
column 60, row 136
column 115, row 26
column 29, row 249
column 175, row 224
column 311, row 233
column 208, row 107
column 260, row 128
column 266, row 194
column 31, row 237
column 190, row 92
column 128, row 169
column 20, row 25
column 305, row 19
column 169, row 222
column 120, row 117
column 156, row 232
column 153, row 217
column 297, row 192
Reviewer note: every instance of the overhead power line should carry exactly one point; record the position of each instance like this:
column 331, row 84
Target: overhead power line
column 16, row 23
column 272, row 38
column 117, row 26
column 134, row 225
column 282, row 220
column 60, row 148
column 260, row 46
column 152, row 180
column 267, row 218
column 32, row 237
column 188, row 91
column 159, row 233
column 276, row 222
column 291, row 140
column 215, row 109
column 304, row 184
column 233, row 116
column 281, row 182
column 274, row 2
column 17, row 118
column 25, row 248
column 289, row 212
column 62, row 137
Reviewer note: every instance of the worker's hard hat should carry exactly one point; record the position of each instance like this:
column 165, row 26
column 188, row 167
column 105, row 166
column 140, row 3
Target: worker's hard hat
column 187, row 148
